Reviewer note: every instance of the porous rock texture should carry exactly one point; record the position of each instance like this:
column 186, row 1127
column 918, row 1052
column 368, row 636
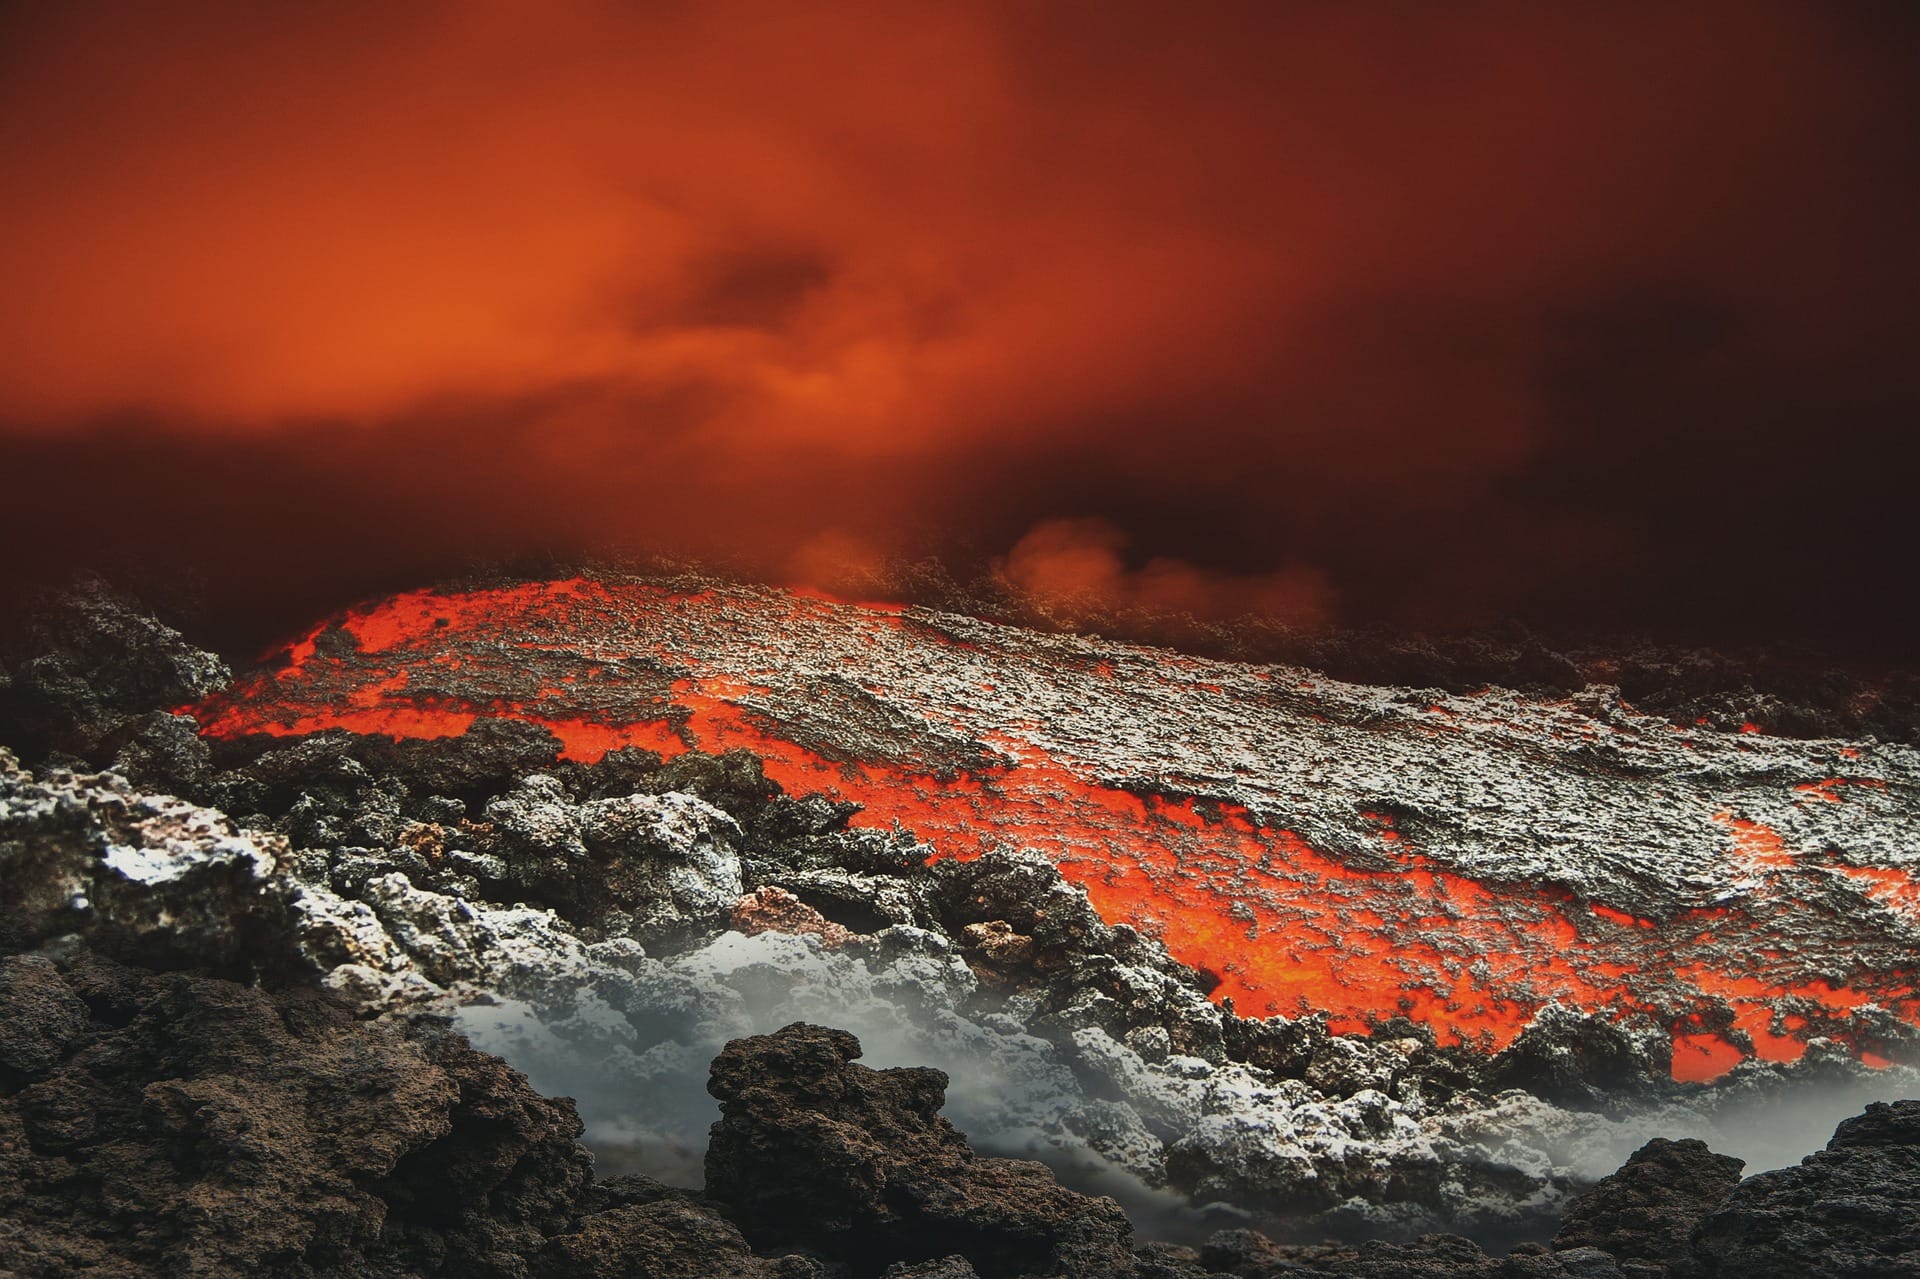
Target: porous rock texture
column 168, row 1124
column 1074, row 1040
column 1648, row 1210
column 1461, row 859
column 173, row 1124
column 93, row 663
column 891, row 1178
column 611, row 927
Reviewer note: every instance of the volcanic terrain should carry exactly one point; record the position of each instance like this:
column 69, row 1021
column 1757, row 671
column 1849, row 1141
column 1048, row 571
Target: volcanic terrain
column 1239, row 945
column 1460, row 860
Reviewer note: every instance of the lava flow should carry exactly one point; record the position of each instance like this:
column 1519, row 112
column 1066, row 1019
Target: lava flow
column 1366, row 852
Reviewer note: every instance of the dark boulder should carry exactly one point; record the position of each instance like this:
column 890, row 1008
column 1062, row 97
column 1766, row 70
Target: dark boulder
column 167, row 1124
column 91, row 664
column 733, row 782
column 1850, row 1210
column 1580, row 1060
column 677, row 1237
column 814, row 1150
column 1647, row 1210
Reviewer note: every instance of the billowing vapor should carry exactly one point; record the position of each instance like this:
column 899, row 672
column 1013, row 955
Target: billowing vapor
column 639, row 1080
column 1400, row 312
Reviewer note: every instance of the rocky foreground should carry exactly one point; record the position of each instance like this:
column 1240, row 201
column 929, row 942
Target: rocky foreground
column 233, row 1044
column 170, row 1124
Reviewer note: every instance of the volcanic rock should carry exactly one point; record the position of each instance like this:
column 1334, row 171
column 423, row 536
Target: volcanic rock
column 1079, row 1041
column 1852, row 1209
column 171, row 1124
column 95, row 663
column 678, row 1236
column 586, row 919
column 1463, row 860
column 954, row 1267
column 152, row 877
column 668, row 862
column 775, row 910
column 1647, row 1211
column 887, row 1178
column 1574, row 1058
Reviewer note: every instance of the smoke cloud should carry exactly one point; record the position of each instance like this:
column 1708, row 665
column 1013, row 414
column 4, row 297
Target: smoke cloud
column 1075, row 567
column 1413, row 313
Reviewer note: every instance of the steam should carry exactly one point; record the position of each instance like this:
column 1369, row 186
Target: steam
column 1763, row 1116
column 1776, row 1128
column 638, row 1075
column 639, row 1078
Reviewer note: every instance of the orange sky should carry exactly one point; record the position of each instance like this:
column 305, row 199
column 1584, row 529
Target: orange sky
column 1423, row 312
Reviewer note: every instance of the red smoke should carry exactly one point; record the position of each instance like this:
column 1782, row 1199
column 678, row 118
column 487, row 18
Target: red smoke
column 1413, row 311
column 1075, row 567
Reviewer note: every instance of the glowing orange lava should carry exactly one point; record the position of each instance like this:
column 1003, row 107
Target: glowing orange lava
column 1286, row 928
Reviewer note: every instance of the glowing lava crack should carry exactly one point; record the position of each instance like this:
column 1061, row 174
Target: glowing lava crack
column 1367, row 852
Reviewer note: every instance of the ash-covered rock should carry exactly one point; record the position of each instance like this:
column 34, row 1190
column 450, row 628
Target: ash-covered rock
column 1460, row 859
column 1576, row 1059
column 150, row 876
column 775, row 910
column 170, row 1123
column 666, row 864
column 1785, row 690
column 1070, row 1040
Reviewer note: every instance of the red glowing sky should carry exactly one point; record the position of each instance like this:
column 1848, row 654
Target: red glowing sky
column 1428, row 313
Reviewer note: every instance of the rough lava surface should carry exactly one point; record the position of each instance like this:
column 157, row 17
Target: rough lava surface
column 1463, row 861
column 211, row 937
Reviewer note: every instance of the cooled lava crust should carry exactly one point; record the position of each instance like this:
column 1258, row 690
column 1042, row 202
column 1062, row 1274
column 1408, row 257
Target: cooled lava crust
column 1462, row 860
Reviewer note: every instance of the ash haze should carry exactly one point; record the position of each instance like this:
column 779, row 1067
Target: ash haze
column 1419, row 314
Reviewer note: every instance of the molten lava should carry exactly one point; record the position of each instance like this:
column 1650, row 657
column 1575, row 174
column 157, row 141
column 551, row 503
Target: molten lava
column 1462, row 861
